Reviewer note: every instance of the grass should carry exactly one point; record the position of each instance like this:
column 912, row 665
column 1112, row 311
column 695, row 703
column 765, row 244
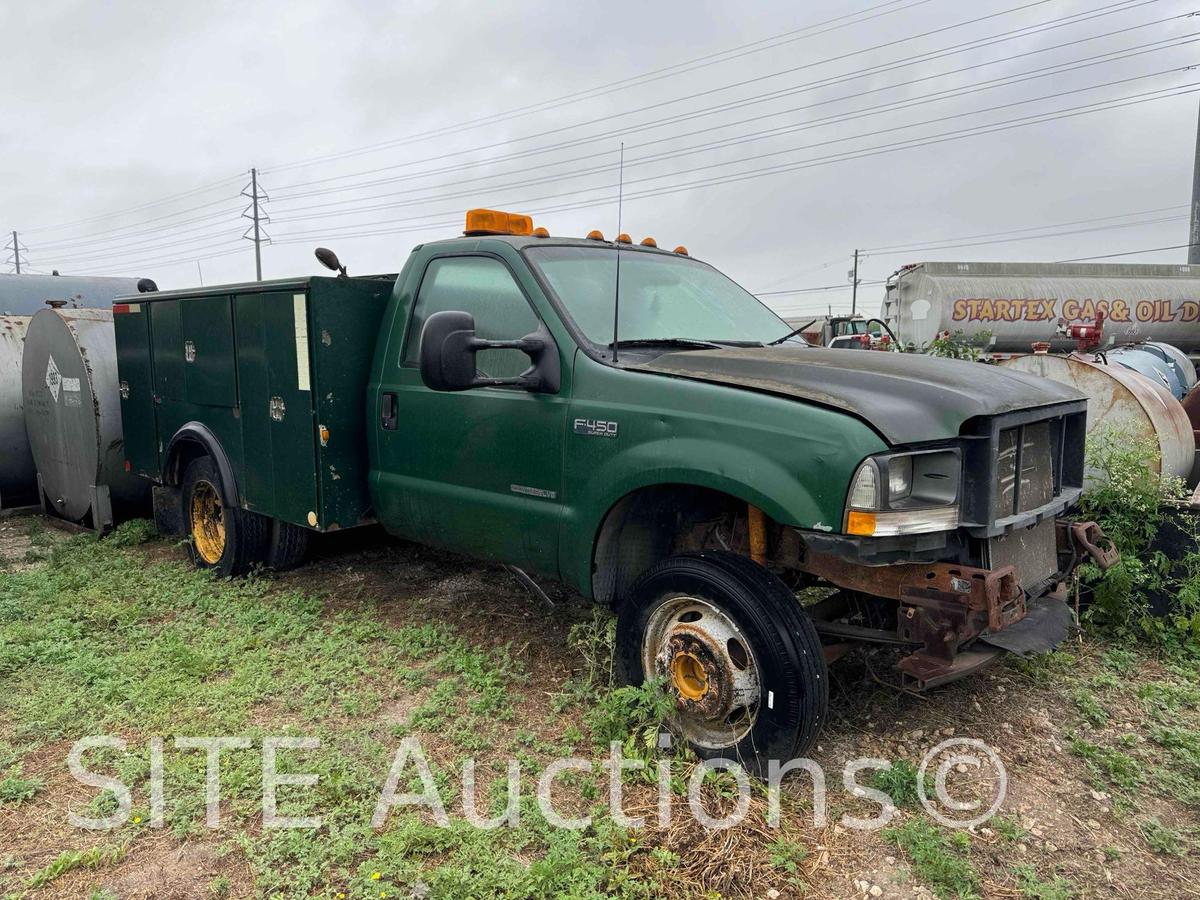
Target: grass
column 899, row 781
column 15, row 790
column 70, row 860
column 939, row 858
column 1033, row 888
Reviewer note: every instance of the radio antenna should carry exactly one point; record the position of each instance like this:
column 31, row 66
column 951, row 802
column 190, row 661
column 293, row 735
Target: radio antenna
column 617, row 298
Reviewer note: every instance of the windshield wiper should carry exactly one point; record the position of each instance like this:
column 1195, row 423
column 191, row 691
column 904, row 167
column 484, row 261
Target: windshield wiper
column 667, row 342
column 792, row 333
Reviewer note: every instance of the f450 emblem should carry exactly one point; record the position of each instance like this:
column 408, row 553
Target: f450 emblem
column 595, row 428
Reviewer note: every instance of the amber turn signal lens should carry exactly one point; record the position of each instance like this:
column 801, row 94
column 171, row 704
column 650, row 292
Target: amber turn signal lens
column 494, row 221
column 595, row 235
column 681, row 250
column 649, row 242
column 861, row 523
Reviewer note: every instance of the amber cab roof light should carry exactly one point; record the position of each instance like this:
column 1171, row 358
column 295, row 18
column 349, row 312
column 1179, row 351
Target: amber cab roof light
column 541, row 232
column 623, row 238
column 681, row 250
column 595, row 235
column 494, row 221
column 649, row 242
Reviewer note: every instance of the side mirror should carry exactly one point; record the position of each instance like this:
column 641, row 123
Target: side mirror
column 329, row 260
column 449, row 347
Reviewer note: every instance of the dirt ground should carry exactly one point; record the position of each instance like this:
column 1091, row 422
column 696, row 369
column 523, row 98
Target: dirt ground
column 1063, row 823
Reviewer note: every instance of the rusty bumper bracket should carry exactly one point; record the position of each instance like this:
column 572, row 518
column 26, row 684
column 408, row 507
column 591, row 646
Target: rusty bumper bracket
column 1088, row 537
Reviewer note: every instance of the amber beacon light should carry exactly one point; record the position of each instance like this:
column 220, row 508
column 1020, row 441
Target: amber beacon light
column 494, row 221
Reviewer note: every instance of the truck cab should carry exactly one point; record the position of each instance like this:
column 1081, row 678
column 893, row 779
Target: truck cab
column 629, row 421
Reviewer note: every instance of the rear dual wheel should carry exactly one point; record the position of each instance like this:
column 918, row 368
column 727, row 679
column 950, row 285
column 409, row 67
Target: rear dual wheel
column 734, row 650
column 222, row 537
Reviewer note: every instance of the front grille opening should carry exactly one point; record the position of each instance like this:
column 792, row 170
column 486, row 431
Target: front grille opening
column 1025, row 469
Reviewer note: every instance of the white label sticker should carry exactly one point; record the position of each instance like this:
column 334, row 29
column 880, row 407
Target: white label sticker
column 71, row 385
column 770, row 699
column 300, row 312
column 53, row 379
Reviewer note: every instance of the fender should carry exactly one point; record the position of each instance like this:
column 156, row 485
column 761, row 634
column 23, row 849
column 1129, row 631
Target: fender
column 199, row 433
column 754, row 479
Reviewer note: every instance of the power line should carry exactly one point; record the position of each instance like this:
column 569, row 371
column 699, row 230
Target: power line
column 862, row 153
column 906, row 127
column 138, row 208
column 837, row 118
column 1074, row 18
column 1126, row 253
column 621, row 84
column 1032, row 237
column 727, row 106
column 93, row 237
column 1125, row 215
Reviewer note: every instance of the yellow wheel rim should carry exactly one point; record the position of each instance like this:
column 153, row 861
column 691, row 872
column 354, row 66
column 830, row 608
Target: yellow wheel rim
column 689, row 677
column 208, row 523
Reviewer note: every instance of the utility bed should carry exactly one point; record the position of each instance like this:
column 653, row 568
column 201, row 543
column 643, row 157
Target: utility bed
column 276, row 370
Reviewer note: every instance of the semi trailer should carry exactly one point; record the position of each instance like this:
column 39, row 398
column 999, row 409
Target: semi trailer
column 664, row 446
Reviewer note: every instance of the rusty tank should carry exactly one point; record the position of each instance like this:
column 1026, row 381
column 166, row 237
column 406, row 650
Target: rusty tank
column 1121, row 398
column 18, row 478
column 72, row 403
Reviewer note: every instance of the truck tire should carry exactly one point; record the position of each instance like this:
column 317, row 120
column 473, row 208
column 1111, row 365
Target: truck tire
column 739, row 656
column 286, row 546
column 221, row 536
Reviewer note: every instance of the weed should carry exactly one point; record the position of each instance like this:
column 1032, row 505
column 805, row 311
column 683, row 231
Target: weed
column 15, row 790
column 631, row 715
column 1090, row 707
column 1009, row 828
column 938, row 861
column 787, row 855
column 1106, row 763
column 70, row 860
column 899, row 781
column 1033, row 888
column 1161, row 839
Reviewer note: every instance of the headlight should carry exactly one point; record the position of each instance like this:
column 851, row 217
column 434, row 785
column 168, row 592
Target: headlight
column 921, row 494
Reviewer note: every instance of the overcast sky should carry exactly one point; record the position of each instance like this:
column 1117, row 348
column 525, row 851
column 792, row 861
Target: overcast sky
column 375, row 125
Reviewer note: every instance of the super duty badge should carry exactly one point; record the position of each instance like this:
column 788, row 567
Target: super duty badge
column 596, row 428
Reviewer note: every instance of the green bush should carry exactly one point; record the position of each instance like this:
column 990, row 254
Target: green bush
column 1127, row 498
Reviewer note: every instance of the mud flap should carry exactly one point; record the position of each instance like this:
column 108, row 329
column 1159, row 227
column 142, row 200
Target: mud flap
column 1045, row 626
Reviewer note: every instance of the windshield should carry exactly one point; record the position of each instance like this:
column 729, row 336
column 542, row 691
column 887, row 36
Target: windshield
column 662, row 297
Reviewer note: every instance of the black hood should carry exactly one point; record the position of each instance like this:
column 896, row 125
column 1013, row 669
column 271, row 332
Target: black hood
column 906, row 397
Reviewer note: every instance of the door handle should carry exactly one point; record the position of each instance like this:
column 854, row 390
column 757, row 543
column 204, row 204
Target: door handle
column 387, row 412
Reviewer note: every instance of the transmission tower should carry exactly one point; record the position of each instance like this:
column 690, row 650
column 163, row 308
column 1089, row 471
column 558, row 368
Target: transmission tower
column 16, row 251
column 258, row 219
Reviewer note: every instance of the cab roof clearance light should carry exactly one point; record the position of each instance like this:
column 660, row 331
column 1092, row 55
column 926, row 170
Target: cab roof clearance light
column 494, row 221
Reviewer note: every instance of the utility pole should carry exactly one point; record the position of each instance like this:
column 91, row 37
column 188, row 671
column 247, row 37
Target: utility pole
column 258, row 218
column 854, row 286
column 1194, row 230
column 16, row 248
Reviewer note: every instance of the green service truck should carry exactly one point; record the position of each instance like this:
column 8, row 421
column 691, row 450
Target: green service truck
column 666, row 446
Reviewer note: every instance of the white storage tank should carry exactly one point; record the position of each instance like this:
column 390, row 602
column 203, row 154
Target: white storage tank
column 1020, row 303
column 73, row 417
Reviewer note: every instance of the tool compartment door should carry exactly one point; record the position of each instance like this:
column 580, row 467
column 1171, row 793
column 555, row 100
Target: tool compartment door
column 207, row 326
column 280, row 478
column 131, row 322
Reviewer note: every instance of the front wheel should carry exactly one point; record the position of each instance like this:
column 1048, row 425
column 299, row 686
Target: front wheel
column 736, row 652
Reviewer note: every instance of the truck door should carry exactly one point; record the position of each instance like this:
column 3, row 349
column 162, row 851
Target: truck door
column 478, row 471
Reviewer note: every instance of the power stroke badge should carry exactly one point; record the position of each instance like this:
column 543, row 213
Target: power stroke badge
column 595, row 428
